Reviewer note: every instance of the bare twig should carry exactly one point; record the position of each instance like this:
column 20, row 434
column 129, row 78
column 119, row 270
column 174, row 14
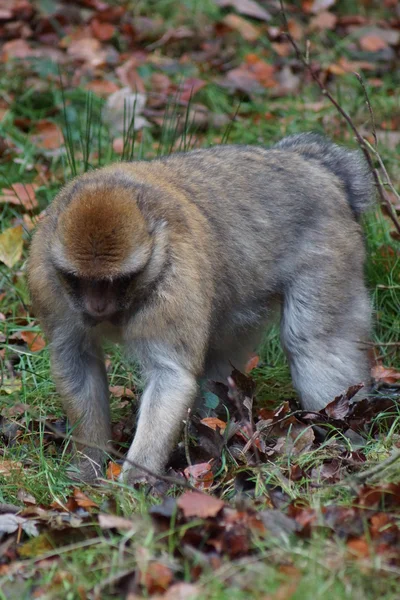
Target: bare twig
column 186, row 437
column 385, row 200
column 384, row 171
column 377, row 469
column 368, row 103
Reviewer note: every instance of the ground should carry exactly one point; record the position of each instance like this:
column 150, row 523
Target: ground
column 267, row 501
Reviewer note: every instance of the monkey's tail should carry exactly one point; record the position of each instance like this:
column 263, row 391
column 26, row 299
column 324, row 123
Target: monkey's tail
column 348, row 165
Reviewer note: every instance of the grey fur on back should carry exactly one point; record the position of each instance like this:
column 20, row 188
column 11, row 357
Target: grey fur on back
column 348, row 165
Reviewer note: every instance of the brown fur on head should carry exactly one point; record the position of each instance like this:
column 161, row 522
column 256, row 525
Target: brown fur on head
column 102, row 231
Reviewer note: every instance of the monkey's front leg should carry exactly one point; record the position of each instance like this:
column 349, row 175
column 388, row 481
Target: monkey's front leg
column 81, row 379
column 170, row 391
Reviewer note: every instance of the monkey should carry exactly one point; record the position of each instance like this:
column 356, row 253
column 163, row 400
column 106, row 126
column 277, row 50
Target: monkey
column 182, row 260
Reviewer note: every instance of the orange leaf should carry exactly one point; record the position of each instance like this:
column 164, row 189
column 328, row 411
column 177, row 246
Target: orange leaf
column 34, row 340
column 156, row 578
column 201, row 474
column 102, row 31
column 252, row 363
column 385, row 374
column 82, row 500
column 20, row 194
column 121, row 391
column 372, row 43
column 359, row 547
column 246, row 29
column 195, row 504
column 102, row 87
column 113, row 470
column 213, row 423
column 47, row 135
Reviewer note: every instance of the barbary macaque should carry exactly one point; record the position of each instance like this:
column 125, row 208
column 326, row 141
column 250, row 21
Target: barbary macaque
column 182, row 259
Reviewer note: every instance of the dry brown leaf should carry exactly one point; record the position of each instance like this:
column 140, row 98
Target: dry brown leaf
column 82, row 500
column 113, row 470
column 102, row 31
column 195, row 504
column 87, row 50
column 321, row 5
column 249, row 32
column 102, row 87
column 200, row 475
column 250, row 8
column 252, row 363
column 121, row 391
column 322, row 21
column 11, row 245
column 385, row 374
column 20, row 194
column 47, row 135
column 372, row 43
column 214, row 423
column 34, row 340
column 156, row 578
column 115, row 522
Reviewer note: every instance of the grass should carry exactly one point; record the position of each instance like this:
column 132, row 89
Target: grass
column 319, row 567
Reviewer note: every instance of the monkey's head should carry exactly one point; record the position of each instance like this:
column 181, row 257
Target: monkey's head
column 103, row 248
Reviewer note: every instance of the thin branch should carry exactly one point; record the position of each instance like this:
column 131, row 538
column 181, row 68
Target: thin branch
column 186, row 438
column 377, row 469
column 368, row 103
column 385, row 200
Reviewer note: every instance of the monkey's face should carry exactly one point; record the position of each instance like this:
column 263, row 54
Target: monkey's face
column 99, row 299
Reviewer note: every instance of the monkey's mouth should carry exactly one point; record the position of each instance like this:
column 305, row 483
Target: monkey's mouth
column 115, row 318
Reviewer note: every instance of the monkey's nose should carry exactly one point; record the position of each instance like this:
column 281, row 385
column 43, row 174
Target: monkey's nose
column 99, row 307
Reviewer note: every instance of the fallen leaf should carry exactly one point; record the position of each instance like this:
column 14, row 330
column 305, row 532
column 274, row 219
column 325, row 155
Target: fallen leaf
column 372, row 43
column 87, row 50
column 246, row 29
column 10, row 523
column 123, row 109
column 252, row 363
column 156, row 578
column 250, row 8
column 121, row 391
column 47, row 135
column 359, row 547
column 25, row 497
column 11, row 244
column 385, row 374
column 321, row 5
column 115, row 522
column 20, row 194
column 189, row 88
column 82, row 500
column 16, row 49
column 182, row 591
column 113, row 470
column 214, row 423
column 102, row 87
column 102, row 31
column 323, row 21
column 34, row 340
column 195, row 504
column 200, row 475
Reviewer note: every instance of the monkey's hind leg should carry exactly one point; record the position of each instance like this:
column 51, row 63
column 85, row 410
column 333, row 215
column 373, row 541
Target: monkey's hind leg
column 325, row 324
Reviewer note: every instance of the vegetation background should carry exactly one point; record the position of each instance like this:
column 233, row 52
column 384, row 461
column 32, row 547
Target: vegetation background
column 296, row 505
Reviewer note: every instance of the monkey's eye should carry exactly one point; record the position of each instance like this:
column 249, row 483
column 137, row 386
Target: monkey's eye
column 69, row 278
